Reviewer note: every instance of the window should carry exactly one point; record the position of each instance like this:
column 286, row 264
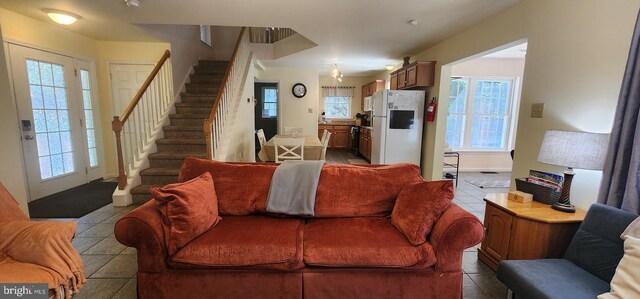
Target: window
column 480, row 113
column 205, row 34
column 337, row 107
column 270, row 103
column 88, row 116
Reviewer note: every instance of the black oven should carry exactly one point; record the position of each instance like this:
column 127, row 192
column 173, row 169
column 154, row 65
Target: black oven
column 355, row 140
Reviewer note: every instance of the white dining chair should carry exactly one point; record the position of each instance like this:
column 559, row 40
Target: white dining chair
column 294, row 131
column 261, row 138
column 289, row 149
column 324, row 135
column 325, row 144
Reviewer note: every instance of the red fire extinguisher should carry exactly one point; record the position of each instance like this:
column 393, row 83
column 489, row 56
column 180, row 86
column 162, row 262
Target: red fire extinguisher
column 431, row 110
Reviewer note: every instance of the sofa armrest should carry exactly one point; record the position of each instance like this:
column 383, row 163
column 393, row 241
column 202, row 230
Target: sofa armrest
column 142, row 228
column 455, row 231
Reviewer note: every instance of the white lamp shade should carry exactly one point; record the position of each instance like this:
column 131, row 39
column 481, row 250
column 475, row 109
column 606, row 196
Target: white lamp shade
column 574, row 149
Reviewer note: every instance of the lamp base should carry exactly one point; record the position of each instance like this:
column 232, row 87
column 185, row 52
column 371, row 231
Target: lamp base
column 567, row 208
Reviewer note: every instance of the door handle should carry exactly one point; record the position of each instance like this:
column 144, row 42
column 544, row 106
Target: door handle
column 28, row 137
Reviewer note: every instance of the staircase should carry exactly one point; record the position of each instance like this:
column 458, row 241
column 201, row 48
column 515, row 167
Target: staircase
column 184, row 137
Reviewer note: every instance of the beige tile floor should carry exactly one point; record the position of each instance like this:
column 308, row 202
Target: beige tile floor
column 111, row 267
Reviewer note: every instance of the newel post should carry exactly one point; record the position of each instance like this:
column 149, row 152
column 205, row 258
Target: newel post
column 207, row 137
column 116, row 125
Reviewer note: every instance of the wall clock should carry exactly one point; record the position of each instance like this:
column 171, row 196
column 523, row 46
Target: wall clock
column 299, row 90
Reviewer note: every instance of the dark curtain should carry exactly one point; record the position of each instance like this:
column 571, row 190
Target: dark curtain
column 619, row 187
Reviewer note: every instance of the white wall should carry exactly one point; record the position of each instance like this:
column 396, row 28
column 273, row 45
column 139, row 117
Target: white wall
column 490, row 67
column 12, row 172
column 242, row 137
column 576, row 56
column 296, row 112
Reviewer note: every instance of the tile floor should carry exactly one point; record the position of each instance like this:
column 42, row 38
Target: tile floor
column 111, row 267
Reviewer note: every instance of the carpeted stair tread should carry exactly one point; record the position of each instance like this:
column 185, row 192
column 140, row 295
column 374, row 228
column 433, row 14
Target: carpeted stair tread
column 195, row 105
column 211, row 95
column 181, row 141
column 190, row 115
column 182, row 128
column 160, row 171
column 176, row 155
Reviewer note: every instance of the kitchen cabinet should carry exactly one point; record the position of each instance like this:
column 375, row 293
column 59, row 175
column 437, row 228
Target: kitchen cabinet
column 524, row 231
column 394, row 81
column 340, row 135
column 369, row 89
column 419, row 74
column 365, row 143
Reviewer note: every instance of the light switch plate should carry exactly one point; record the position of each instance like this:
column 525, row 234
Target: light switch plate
column 310, row 110
column 537, row 110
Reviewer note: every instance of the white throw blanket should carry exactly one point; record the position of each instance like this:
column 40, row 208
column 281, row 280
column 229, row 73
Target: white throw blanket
column 293, row 188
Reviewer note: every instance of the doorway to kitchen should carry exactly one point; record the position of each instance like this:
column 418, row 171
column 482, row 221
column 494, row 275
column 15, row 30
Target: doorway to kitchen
column 484, row 101
column 266, row 109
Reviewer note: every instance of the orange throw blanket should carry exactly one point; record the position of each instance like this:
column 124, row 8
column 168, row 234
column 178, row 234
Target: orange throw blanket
column 47, row 245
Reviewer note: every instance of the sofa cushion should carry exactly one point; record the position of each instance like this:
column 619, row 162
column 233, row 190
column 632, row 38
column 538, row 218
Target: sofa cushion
column 549, row 278
column 188, row 210
column 419, row 206
column 257, row 242
column 240, row 187
column 600, row 232
column 362, row 242
column 356, row 191
column 343, row 190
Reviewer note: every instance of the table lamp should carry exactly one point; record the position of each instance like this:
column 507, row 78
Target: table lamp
column 573, row 150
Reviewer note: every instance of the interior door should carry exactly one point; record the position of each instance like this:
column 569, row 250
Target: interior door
column 126, row 80
column 50, row 120
column 266, row 109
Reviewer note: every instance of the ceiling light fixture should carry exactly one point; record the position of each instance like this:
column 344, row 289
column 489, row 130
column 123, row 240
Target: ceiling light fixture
column 61, row 16
column 336, row 73
column 389, row 67
column 132, row 3
column 413, row 22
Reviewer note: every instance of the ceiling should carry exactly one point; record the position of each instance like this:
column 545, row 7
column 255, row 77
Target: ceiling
column 360, row 36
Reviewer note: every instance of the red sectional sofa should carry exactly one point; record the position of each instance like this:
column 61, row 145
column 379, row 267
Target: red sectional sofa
column 348, row 249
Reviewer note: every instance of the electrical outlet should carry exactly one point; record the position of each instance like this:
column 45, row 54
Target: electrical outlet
column 537, row 110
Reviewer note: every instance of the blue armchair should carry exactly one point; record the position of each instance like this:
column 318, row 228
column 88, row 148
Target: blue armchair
column 588, row 264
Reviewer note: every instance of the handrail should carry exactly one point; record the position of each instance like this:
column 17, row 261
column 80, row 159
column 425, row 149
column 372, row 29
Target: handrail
column 148, row 117
column 208, row 123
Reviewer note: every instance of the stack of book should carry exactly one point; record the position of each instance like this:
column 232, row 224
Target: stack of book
column 544, row 186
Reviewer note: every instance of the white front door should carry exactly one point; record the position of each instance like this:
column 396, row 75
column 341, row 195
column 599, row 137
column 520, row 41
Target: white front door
column 50, row 120
column 90, row 107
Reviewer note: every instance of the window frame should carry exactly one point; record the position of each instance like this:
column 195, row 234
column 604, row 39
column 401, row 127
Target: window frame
column 324, row 106
column 205, row 35
column 264, row 101
column 511, row 115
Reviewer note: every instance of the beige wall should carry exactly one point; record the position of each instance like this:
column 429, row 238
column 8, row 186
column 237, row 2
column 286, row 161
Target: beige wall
column 296, row 112
column 242, row 137
column 356, row 82
column 490, row 67
column 577, row 50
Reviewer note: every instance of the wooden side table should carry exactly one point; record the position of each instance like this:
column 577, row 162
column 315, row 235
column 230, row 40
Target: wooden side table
column 524, row 231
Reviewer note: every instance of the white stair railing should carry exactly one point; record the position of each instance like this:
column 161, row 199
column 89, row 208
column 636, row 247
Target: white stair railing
column 218, row 123
column 137, row 127
column 269, row 35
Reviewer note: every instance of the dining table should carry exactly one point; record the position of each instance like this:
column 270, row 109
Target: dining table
column 312, row 148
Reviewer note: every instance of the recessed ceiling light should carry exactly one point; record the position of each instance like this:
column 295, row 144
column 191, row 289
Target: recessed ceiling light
column 389, row 67
column 132, row 3
column 413, row 22
column 61, row 16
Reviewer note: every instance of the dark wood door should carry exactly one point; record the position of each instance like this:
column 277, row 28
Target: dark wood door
column 394, row 81
column 498, row 226
column 266, row 110
column 412, row 76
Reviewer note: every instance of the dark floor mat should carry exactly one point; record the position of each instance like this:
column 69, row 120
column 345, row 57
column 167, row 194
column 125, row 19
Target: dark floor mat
column 75, row 202
column 488, row 172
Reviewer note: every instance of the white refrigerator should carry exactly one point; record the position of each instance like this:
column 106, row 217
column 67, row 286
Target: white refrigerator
column 397, row 119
